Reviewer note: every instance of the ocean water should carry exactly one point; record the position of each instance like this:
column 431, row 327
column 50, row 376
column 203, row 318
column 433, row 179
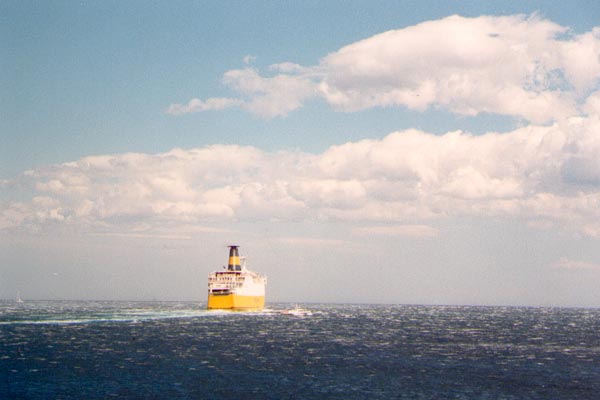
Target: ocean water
column 163, row 350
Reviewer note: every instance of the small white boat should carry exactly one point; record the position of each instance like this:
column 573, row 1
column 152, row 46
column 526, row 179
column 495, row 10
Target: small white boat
column 18, row 299
column 297, row 312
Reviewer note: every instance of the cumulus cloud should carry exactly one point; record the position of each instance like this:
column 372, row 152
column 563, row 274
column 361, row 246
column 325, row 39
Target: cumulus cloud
column 397, row 185
column 273, row 96
column 522, row 66
column 592, row 104
column 197, row 105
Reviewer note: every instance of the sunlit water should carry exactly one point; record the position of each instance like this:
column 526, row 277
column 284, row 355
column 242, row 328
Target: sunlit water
column 97, row 350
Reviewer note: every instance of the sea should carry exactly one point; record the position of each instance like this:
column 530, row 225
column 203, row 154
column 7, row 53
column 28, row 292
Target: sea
column 179, row 350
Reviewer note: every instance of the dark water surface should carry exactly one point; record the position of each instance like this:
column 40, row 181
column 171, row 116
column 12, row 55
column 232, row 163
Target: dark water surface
column 97, row 350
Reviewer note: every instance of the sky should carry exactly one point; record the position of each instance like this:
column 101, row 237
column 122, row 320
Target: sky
column 366, row 152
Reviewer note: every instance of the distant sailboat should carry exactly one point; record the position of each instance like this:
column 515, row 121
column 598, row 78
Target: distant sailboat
column 19, row 299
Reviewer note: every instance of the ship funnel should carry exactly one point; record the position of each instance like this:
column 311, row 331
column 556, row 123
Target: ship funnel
column 234, row 259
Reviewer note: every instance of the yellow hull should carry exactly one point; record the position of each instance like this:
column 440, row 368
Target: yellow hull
column 235, row 302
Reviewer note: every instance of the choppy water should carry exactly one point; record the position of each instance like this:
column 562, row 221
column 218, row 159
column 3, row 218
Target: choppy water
column 97, row 350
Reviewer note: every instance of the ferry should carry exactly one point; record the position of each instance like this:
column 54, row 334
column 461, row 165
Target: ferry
column 236, row 288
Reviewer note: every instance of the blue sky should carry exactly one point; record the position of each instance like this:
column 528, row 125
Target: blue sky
column 95, row 78
column 310, row 164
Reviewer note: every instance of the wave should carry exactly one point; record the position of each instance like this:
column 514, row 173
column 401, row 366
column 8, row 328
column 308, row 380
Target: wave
column 130, row 316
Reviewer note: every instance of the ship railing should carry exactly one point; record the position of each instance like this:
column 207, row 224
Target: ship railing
column 226, row 278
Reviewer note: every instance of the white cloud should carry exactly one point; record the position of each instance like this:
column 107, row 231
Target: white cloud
column 335, row 193
column 417, row 231
column 535, row 173
column 249, row 59
column 521, row 66
column 469, row 65
column 14, row 215
column 592, row 104
column 310, row 242
column 571, row 265
column 197, row 105
column 270, row 96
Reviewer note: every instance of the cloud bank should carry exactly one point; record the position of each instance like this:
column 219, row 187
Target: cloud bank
column 544, row 175
column 521, row 66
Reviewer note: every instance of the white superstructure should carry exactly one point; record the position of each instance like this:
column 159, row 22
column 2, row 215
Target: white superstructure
column 236, row 287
